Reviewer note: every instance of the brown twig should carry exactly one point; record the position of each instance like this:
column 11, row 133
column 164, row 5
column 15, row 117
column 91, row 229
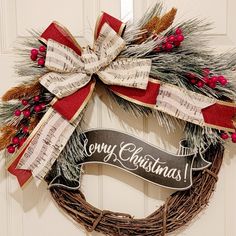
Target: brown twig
column 180, row 208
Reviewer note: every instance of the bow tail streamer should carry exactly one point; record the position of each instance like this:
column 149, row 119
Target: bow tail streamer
column 48, row 139
column 182, row 104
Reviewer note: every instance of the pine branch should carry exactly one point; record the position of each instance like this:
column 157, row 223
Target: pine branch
column 24, row 67
column 7, row 110
column 201, row 137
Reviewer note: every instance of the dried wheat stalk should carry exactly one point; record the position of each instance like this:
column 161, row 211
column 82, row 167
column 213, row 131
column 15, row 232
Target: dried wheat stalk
column 22, row 91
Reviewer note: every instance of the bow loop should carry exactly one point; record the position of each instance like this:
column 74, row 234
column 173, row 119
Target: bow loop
column 106, row 48
column 127, row 72
column 60, row 58
column 71, row 71
column 108, row 45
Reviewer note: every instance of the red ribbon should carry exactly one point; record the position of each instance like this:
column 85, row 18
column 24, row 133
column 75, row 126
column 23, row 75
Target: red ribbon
column 220, row 115
column 22, row 175
column 145, row 98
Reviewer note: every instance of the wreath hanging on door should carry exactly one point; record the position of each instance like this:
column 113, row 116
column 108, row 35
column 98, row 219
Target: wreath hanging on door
column 150, row 68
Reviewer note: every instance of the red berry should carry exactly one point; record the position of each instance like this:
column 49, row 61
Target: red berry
column 171, row 38
column 26, row 113
column 220, row 77
column 42, row 106
column 233, row 135
column 193, row 81
column 24, row 102
column 234, row 140
column 200, row 84
column 212, row 84
column 34, row 52
column 178, row 31
column 179, row 38
column 224, row 136
column 163, row 47
column 36, row 98
column 206, row 71
column 11, row 149
column 222, row 80
column 37, row 108
column 169, row 46
column 191, row 75
column 17, row 112
column 206, row 80
column 157, row 49
column 41, row 61
column 25, row 129
column 42, row 48
column 177, row 43
column 15, row 140
column 33, row 57
column 22, row 140
column 214, row 79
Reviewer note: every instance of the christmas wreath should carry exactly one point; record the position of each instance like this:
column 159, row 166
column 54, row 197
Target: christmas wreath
column 150, row 68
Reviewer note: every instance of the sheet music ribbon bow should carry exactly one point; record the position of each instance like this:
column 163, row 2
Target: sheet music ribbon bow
column 71, row 79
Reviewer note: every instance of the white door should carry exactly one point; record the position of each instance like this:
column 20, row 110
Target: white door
column 31, row 211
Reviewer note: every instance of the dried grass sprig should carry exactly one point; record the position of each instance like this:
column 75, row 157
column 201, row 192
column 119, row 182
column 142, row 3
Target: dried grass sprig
column 166, row 21
column 6, row 134
column 152, row 24
column 22, row 91
column 156, row 25
column 148, row 29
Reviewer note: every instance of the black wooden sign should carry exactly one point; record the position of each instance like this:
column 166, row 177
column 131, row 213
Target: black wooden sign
column 138, row 157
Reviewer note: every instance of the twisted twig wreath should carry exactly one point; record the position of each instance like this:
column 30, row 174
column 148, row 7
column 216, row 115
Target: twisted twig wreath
column 149, row 68
column 179, row 209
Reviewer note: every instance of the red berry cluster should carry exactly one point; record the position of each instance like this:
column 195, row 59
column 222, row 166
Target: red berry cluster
column 207, row 80
column 225, row 136
column 171, row 41
column 16, row 142
column 39, row 55
column 30, row 108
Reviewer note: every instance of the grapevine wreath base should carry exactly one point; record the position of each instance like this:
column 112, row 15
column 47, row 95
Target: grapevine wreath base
column 149, row 68
column 179, row 209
